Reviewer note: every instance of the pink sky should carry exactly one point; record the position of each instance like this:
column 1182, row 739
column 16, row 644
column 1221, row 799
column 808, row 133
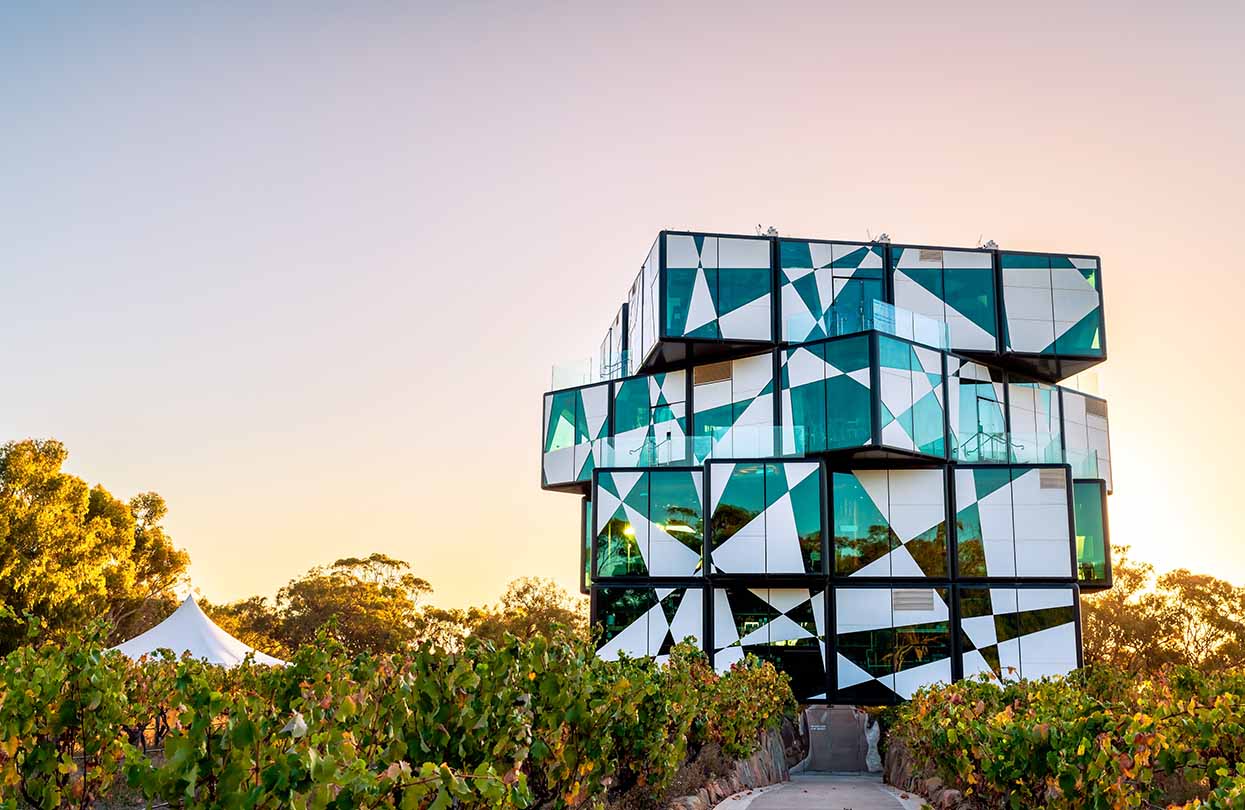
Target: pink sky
column 304, row 273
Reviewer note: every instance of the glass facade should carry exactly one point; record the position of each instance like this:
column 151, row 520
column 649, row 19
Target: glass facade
column 1053, row 305
column 955, row 286
column 717, row 288
column 766, row 518
column 827, row 389
column 1007, row 633
column 976, row 405
column 910, row 397
column 1093, row 548
column 1034, row 413
column 879, row 487
column 890, row 641
column 641, row 621
column 1013, row 523
column 890, row 523
column 648, row 523
column 828, row 288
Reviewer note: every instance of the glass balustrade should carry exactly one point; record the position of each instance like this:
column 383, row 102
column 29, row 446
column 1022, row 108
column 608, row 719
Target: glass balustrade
column 1024, row 448
column 687, row 451
column 586, row 371
column 870, row 315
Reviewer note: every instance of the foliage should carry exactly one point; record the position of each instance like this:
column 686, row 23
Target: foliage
column 70, row 552
column 373, row 600
column 145, row 596
column 513, row 723
column 1100, row 738
column 530, row 606
column 62, row 711
column 371, row 604
column 1144, row 622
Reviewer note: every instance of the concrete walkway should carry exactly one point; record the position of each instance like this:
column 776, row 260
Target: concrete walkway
column 825, row 791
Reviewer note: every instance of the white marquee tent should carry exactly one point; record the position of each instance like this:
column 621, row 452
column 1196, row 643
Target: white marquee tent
column 190, row 630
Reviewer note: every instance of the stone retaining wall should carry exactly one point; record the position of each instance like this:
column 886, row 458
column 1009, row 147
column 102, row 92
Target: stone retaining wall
column 899, row 771
column 768, row 766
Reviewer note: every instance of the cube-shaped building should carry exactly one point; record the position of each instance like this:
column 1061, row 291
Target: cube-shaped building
column 853, row 459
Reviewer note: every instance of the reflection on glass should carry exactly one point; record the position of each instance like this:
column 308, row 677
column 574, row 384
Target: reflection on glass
column 1091, row 540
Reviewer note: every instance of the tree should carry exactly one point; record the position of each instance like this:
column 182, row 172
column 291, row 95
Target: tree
column 533, row 606
column 1144, row 622
column 253, row 621
column 446, row 628
column 70, row 552
column 373, row 600
column 158, row 568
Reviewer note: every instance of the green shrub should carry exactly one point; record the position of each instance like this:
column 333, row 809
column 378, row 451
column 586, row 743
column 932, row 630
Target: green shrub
column 1099, row 738
column 516, row 723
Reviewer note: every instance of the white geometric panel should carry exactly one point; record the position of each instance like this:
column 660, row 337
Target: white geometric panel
column 848, row 673
column 917, row 501
column 752, row 321
column 750, row 375
column 1040, row 502
column 908, row 681
column 782, row 547
column 752, row 253
column 860, row 609
column 668, row 557
column 724, row 632
column 700, row 309
column 681, row 251
column 744, row 551
column 1048, row 652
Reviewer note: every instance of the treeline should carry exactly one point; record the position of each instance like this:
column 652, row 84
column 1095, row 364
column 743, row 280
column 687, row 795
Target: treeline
column 1148, row 622
column 71, row 552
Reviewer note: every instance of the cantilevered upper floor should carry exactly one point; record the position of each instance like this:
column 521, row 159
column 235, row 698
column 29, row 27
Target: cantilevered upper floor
column 869, row 395
column 704, row 296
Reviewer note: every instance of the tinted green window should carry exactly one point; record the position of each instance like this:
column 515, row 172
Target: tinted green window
column 853, row 304
column 560, row 432
column 871, row 650
column 808, row 404
column 737, row 287
column 806, row 505
column 861, row 532
column 981, row 432
column 849, row 405
column 919, row 644
column 674, row 507
column 618, row 548
column 586, row 531
column 929, row 550
column 970, row 291
column 715, row 421
column 1091, row 540
column 678, row 297
column 631, row 406
column 620, row 607
column 742, row 500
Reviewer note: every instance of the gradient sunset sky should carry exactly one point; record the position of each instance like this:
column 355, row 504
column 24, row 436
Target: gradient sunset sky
column 303, row 270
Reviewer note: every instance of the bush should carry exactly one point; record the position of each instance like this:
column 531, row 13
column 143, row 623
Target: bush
column 1099, row 738
column 538, row 722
